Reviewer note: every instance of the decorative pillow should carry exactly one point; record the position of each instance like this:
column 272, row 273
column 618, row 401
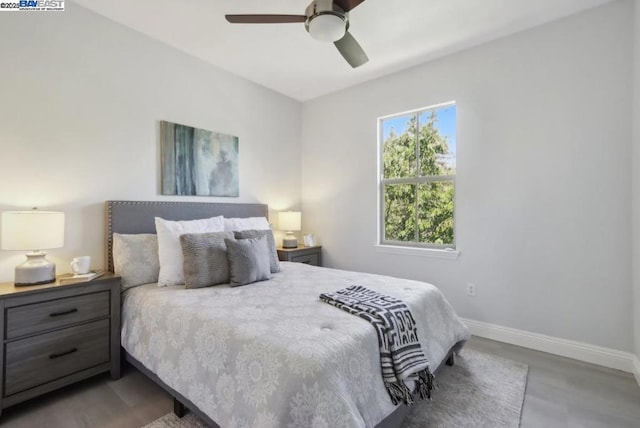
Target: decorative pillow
column 135, row 259
column 256, row 223
column 274, row 262
column 205, row 258
column 169, row 250
column 248, row 260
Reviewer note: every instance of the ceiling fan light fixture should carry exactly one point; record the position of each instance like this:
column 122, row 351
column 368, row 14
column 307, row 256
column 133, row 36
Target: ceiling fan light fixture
column 327, row 27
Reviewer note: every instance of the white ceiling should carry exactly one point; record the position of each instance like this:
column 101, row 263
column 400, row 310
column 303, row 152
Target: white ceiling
column 395, row 34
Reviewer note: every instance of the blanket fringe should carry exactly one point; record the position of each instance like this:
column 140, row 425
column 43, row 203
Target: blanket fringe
column 425, row 383
column 399, row 393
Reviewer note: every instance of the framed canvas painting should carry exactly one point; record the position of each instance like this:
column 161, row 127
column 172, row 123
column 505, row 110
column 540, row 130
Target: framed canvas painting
column 198, row 162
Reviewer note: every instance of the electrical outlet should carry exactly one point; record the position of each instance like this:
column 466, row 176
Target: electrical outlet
column 471, row 289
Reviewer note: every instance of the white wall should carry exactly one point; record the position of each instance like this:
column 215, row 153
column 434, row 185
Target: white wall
column 636, row 179
column 543, row 207
column 80, row 101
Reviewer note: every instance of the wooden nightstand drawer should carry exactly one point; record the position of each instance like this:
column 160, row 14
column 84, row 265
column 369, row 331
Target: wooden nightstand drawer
column 39, row 359
column 38, row 317
column 310, row 259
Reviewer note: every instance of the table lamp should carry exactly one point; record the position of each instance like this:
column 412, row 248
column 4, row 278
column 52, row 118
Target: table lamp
column 289, row 221
column 32, row 231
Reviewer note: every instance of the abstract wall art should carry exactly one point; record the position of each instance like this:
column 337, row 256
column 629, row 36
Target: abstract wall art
column 198, row 162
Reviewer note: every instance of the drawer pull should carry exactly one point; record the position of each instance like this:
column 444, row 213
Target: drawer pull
column 57, row 314
column 62, row 354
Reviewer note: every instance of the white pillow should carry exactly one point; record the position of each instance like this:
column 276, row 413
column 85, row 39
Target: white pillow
column 249, row 223
column 169, row 249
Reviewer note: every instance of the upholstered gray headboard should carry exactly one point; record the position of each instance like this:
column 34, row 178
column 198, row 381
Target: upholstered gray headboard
column 139, row 216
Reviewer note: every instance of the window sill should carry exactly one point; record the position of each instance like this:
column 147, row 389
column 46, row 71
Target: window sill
column 423, row 252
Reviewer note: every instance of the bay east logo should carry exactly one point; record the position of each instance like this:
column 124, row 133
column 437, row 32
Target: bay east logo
column 31, row 5
column 41, row 4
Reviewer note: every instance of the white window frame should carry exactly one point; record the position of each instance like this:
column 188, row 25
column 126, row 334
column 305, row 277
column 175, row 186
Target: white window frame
column 417, row 180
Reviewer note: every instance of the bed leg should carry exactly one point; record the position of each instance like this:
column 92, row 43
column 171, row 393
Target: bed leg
column 451, row 360
column 178, row 408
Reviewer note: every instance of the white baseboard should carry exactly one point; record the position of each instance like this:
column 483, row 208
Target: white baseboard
column 636, row 368
column 599, row 355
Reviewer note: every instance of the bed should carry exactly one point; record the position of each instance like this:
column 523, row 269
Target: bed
column 269, row 354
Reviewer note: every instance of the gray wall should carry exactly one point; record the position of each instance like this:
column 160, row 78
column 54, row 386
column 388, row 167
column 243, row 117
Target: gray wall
column 544, row 178
column 80, row 102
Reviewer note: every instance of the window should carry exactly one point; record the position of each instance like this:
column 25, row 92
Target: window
column 417, row 177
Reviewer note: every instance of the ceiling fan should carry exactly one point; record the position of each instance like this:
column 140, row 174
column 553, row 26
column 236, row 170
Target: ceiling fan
column 325, row 20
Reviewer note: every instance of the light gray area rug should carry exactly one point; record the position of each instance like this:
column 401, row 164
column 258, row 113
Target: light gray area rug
column 479, row 391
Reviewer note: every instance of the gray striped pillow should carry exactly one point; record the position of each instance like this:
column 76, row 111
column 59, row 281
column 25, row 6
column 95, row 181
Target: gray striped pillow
column 205, row 258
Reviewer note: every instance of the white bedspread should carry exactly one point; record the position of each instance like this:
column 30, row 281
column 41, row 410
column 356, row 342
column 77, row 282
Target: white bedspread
column 271, row 354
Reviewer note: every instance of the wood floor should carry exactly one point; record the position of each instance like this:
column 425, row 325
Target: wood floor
column 560, row 393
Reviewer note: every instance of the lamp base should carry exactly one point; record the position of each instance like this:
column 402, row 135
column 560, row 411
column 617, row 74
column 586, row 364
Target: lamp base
column 289, row 241
column 35, row 271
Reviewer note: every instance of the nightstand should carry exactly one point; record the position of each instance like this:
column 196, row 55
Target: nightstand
column 308, row 255
column 54, row 335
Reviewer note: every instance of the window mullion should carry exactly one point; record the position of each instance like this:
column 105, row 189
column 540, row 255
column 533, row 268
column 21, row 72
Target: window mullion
column 415, row 233
column 382, row 207
column 424, row 179
column 418, row 166
column 418, row 169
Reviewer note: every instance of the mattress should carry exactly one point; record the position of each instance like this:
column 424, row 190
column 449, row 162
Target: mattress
column 271, row 354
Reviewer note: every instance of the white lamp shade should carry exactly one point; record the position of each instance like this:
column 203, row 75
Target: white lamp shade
column 290, row 220
column 31, row 230
column 327, row 28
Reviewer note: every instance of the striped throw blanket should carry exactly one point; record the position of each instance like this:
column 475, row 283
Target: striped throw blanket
column 401, row 356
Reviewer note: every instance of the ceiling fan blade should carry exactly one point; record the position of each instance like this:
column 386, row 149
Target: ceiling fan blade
column 265, row 19
column 347, row 5
column 351, row 50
